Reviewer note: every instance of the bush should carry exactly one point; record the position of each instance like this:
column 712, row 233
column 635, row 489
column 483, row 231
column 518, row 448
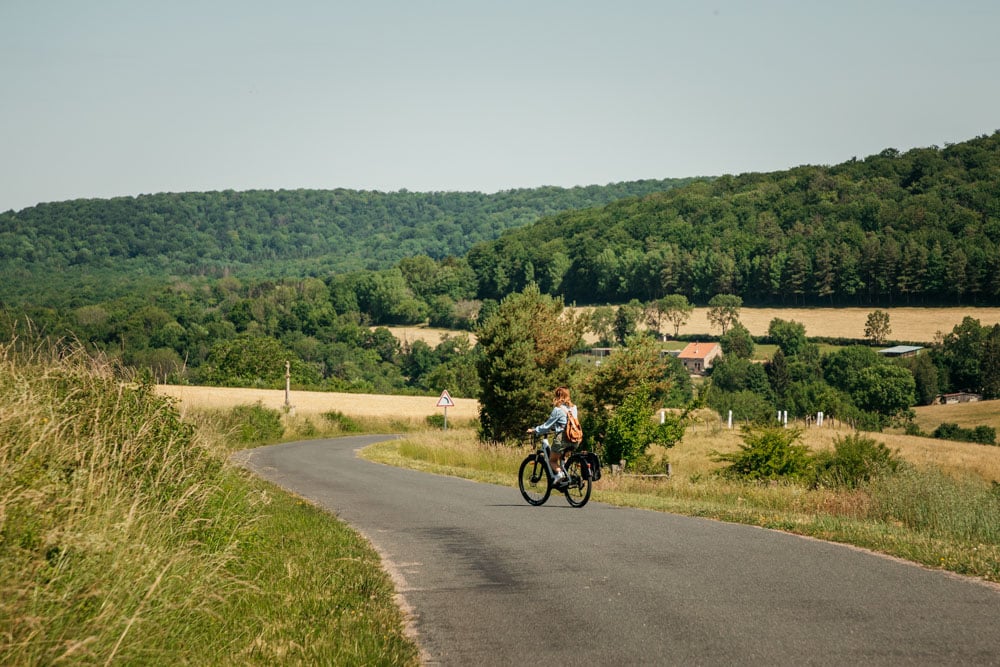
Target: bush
column 631, row 429
column 767, row 453
column 342, row 421
column 255, row 424
column 855, row 459
column 985, row 435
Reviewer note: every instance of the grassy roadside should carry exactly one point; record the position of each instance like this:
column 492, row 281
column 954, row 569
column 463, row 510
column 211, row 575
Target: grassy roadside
column 126, row 537
column 924, row 516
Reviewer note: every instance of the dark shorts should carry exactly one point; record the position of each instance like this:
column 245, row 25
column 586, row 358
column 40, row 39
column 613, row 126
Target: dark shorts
column 560, row 445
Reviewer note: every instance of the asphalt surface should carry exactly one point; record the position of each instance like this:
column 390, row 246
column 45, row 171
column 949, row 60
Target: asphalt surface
column 490, row 580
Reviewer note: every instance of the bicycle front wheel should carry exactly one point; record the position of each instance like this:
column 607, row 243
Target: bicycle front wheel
column 578, row 491
column 533, row 480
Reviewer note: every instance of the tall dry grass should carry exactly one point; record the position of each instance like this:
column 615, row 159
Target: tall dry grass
column 106, row 550
column 125, row 538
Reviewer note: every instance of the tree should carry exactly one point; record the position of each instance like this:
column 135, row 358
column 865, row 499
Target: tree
column 654, row 317
column 632, row 429
column 877, row 327
column 627, row 320
column 638, row 369
column 841, row 368
column 601, row 323
column 737, row 342
column 777, row 373
column 790, row 336
column 724, row 310
column 925, row 374
column 252, row 361
column 990, row 365
column 523, row 350
column 884, row 389
column 676, row 309
column 962, row 350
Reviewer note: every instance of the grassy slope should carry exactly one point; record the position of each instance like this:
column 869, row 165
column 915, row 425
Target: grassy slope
column 125, row 537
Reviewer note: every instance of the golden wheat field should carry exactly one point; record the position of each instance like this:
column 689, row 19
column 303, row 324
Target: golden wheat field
column 917, row 325
column 307, row 403
column 693, row 455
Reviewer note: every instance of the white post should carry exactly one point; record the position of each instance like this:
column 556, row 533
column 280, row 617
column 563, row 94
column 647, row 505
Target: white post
column 663, row 416
column 730, row 419
column 288, row 385
column 785, row 422
column 819, row 419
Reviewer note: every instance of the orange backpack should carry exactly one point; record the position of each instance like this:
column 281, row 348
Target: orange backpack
column 574, row 432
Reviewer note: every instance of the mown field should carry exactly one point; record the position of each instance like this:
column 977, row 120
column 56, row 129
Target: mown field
column 917, row 325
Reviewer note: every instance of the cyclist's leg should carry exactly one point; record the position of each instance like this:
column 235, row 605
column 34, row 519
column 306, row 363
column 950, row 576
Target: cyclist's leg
column 558, row 454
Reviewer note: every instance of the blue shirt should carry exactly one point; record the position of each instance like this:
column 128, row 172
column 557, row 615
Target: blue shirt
column 556, row 422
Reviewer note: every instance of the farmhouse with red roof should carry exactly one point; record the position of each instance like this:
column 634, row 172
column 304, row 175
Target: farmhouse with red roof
column 697, row 357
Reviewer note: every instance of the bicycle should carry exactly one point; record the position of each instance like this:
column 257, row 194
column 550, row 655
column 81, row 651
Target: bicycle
column 535, row 477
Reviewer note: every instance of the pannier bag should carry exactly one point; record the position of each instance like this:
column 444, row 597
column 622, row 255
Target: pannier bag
column 593, row 465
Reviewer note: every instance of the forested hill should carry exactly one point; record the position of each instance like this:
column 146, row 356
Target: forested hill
column 895, row 228
column 88, row 246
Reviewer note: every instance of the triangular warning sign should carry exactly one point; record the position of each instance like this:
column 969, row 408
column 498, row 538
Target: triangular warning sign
column 445, row 400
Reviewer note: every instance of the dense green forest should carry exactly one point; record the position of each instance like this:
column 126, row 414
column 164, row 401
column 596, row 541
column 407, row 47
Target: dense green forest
column 247, row 280
column 921, row 227
column 76, row 252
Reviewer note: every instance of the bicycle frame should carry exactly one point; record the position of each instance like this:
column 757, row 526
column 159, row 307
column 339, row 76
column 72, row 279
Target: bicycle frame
column 577, row 487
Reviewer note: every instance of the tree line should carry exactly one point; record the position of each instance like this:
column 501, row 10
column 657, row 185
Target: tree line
column 920, row 227
column 74, row 251
column 210, row 328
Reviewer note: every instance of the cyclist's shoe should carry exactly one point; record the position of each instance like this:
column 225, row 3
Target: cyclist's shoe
column 560, row 479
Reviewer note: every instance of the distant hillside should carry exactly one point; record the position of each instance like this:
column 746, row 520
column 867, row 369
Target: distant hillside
column 919, row 227
column 91, row 248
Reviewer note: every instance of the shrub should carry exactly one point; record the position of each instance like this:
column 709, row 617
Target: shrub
column 255, row 423
column 855, row 459
column 342, row 421
column 631, row 429
column 767, row 453
column 985, row 435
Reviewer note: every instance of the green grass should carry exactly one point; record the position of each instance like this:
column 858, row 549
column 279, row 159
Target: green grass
column 919, row 514
column 126, row 537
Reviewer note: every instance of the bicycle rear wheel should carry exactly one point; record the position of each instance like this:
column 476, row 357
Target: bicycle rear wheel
column 578, row 491
column 533, row 480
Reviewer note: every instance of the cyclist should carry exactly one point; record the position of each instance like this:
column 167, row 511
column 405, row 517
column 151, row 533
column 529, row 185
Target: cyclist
column 556, row 423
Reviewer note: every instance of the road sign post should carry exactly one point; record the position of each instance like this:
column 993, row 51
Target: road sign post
column 445, row 402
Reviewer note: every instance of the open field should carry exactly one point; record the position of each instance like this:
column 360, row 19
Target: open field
column 919, row 325
column 908, row 324
column 307, row 403
column 691, row 457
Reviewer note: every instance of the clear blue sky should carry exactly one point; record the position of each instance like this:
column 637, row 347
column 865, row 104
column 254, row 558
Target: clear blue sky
column 123, row 97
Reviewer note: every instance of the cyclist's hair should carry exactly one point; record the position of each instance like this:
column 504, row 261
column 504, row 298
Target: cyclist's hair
column 562, row 397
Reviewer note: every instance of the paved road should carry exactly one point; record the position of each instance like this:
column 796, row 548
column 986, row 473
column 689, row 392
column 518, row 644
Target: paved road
column 493, row 581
